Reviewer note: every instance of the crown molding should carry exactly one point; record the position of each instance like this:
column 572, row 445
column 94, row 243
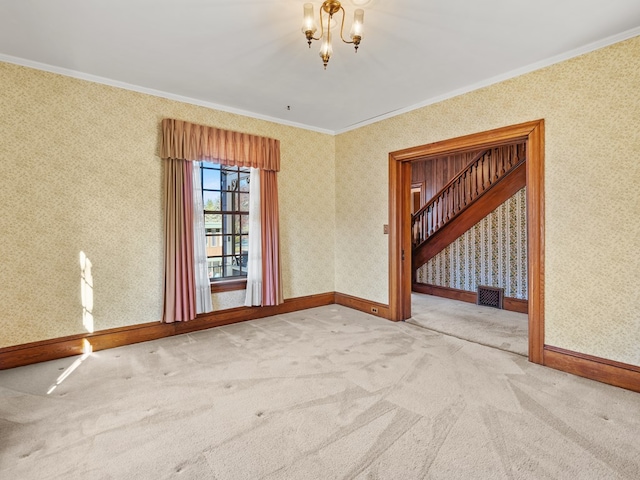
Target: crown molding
column 605, row 42
column 155, row 93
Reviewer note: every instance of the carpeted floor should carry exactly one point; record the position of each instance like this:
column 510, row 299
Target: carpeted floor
column 326, row 393
column 480, row 324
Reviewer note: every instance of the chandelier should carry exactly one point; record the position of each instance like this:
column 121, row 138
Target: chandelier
column 330, row 8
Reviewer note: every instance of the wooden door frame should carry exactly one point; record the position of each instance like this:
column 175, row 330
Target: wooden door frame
column 400, row 226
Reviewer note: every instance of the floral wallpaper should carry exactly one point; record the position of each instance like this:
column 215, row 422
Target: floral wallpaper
column 81, row 176
column 491, row 253
column 591, row 108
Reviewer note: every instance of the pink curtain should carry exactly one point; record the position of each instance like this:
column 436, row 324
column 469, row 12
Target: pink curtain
column 271, row 281
column 179, row 278
column 183, row 142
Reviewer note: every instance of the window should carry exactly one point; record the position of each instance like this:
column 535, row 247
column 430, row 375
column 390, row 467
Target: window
column 225, row 196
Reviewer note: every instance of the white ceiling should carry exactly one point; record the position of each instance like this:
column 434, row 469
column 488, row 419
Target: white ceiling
column 249, row 56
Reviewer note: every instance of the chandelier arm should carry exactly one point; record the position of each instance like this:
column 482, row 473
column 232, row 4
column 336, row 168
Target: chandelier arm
column 342, row 26
column 322, row 26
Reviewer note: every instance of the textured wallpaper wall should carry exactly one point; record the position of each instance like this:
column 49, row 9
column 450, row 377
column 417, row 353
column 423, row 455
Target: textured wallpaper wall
column 492, row 253
column 591, row 108
column 80, row 174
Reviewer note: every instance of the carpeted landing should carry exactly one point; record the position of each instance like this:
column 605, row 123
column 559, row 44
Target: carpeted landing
column 489, row 326
column 326, row 393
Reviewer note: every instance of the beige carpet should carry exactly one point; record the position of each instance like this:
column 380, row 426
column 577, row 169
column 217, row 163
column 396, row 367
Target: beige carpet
column 327, row 393
column 480, row 324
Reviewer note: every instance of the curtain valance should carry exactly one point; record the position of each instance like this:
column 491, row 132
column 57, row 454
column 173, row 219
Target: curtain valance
column 189, row 141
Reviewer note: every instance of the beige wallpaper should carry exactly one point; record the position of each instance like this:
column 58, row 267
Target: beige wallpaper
column 591, row 108
column 491, row 253
column 80, row 174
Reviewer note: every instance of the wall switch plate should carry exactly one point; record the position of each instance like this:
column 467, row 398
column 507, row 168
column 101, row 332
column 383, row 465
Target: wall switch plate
column 385, row 229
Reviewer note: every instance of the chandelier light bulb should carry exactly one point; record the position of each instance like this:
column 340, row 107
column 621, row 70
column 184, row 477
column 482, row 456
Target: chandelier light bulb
column 357, row 27
column 326, row 50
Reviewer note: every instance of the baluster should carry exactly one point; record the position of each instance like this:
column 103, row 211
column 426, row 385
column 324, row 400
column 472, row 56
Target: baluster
column 486, row 179
column 467, row 189
column 476, row 179
column 435, row 215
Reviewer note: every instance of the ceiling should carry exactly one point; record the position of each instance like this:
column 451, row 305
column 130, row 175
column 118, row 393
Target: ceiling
column 250, row 56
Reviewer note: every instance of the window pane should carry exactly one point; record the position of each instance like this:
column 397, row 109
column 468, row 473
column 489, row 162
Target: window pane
column 210, row 179
column 236, row 224
column 242, row 262
column 227, row 223
column 213, row 223
column 211, row 200
column 244, row 182
column 230, row 267
column 244, row 223
column 229, row 180
column 215, row 267
column 214, row 245
column 227, row 201
column 244, row 202
column 236, row 245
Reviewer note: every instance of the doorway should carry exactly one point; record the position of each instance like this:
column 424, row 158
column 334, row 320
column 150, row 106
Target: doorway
column 400, row 200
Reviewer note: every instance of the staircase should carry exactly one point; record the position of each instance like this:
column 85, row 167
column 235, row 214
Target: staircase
column 488, row 180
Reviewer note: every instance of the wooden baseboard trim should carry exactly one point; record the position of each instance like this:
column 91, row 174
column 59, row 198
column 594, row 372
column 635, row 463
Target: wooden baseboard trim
column 366, row 306
column 35, row 352
column 595, row 368
column 511, row 304
column 516, row 305
column 445, row 292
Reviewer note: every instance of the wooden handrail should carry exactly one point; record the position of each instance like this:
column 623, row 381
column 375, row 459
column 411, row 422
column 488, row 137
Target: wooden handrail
column 452, row 181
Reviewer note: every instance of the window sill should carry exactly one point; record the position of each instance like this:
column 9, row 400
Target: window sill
column 229, row 285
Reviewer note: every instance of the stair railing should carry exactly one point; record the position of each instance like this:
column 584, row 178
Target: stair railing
column 484, row 170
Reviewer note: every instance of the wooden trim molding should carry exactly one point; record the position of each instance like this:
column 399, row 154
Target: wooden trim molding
column 602, row 370
column 367, row 306
column 516, row 305
column 42, row 351
column 511, row 304
column 229, row 285
column 445, row 292
column 400, row 227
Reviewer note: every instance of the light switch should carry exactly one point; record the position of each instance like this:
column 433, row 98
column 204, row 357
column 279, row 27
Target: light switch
column 385, row 229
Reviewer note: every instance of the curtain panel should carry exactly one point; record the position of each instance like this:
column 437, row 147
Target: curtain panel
column 189, row 141
column 179, row 274
column 271, row 275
